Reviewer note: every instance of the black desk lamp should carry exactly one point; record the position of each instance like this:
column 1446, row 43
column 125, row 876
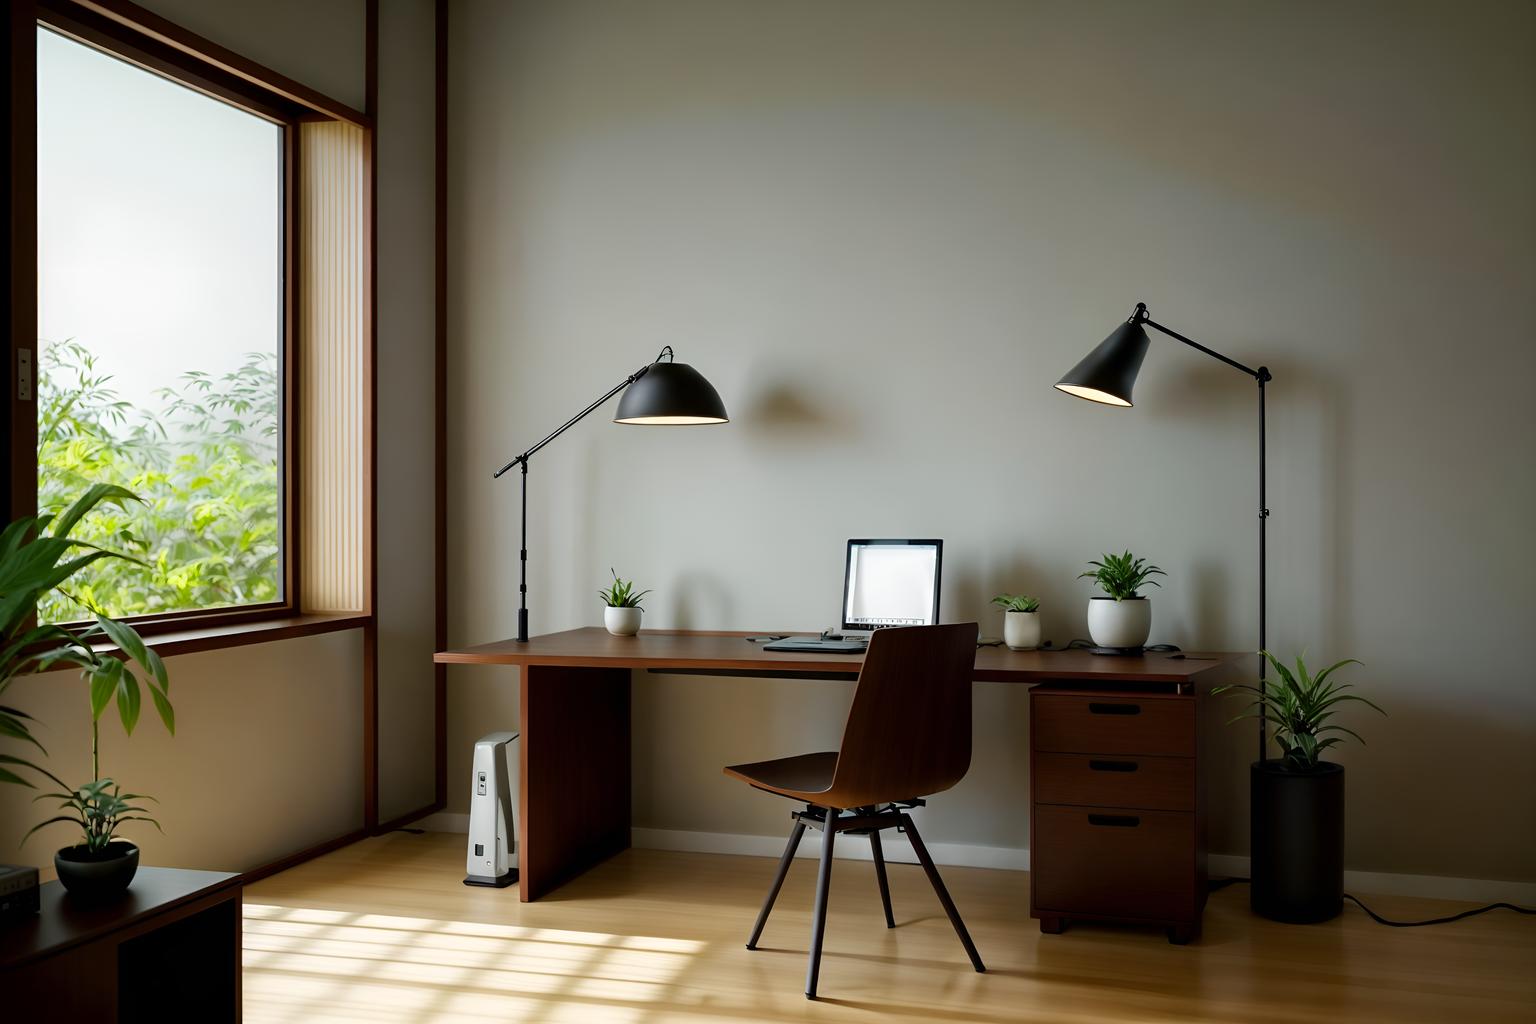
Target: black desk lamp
column 662, row 394
column 1107, row 374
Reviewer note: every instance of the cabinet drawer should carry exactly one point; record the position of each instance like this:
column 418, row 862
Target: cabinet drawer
column 1120, row 724
column 1121, row 780
column 1137, row 864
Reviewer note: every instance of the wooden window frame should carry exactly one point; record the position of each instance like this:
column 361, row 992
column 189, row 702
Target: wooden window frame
column 128, row 32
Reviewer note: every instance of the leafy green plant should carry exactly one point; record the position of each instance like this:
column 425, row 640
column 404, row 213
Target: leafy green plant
column 621, row 594
column 1017, row 602
column 1121, row 576
column 1301, row 706
column 206, row 531
column 98, row 807
column 38, row 556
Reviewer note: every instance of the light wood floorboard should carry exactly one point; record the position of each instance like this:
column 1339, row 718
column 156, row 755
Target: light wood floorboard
column 384, row 931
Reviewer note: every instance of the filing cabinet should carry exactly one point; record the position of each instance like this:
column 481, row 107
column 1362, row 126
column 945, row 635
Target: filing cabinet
column 1117, row 830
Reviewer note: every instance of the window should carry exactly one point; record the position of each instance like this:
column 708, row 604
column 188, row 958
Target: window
column 161, row 334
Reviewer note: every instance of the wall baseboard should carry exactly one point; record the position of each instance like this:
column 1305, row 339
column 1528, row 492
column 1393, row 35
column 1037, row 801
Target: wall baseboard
column 1473, row 890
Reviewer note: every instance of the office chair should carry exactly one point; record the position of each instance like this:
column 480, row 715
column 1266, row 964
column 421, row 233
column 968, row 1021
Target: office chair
column 908, row 735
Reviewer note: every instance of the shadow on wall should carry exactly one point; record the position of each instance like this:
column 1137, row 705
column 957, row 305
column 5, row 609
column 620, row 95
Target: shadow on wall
column 966, row 602
column 1215, row 397
column 701, row 597
column 794, row 412
column 1212, row 585
column 1335, row 488
column 969, row 586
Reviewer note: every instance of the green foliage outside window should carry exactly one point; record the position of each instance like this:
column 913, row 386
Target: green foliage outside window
column 205, row 465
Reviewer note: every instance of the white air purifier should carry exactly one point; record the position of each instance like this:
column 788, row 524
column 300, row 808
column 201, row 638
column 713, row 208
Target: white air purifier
column 492, row 857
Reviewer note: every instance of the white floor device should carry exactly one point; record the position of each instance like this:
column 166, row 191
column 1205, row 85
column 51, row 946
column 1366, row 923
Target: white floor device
column 492, row 857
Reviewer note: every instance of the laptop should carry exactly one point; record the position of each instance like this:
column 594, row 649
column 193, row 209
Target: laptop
column 886, row 583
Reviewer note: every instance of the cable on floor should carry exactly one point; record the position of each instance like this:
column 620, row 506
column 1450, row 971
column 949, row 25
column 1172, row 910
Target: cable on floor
column 1217, row 884
column 1438, row 920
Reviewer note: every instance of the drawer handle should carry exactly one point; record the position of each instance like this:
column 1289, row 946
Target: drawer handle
column 1114, row 820
column 1112, row 766
column 1114, row 709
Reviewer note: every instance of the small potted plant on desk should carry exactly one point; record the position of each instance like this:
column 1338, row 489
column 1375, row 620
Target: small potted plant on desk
column 1021, row 621
column 621, row 616
column 33, row 563
column 1297, row 830
column 1121, row 618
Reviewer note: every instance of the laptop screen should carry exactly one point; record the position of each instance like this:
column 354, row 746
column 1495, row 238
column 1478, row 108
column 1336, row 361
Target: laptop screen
column 891, row 583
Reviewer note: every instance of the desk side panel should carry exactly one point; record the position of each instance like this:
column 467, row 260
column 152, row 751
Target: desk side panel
column 575, row 777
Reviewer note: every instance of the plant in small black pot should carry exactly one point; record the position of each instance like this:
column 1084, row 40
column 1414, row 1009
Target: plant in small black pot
column 100, row 865
column 1297, row 830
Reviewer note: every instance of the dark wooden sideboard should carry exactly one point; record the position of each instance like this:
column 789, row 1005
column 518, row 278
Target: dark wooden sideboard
column 168, row 949
column 1117, row 809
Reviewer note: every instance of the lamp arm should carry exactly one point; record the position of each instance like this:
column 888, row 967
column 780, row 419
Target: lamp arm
column 1140, row 317
column 568, row 424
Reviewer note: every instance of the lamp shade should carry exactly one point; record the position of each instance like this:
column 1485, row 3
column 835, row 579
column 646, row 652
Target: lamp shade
column 671, row 394
column 1108, row 373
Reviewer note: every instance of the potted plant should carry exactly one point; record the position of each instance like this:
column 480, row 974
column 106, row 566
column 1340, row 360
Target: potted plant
column 100, row 865
column 1021, row 621
column 1121, row 617
column 37, row 556
column 621, row 615
column 1297, row 830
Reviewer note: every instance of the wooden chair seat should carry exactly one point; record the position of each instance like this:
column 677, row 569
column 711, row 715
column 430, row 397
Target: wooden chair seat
column 805, row 777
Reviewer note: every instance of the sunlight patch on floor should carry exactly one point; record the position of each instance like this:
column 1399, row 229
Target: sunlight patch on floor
column 310, row 964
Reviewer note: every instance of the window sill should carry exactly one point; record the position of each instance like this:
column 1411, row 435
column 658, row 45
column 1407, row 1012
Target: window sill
column 214, row 638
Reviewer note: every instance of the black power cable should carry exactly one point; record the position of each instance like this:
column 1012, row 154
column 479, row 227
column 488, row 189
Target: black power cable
column 1217, row 884
column 1438, row 920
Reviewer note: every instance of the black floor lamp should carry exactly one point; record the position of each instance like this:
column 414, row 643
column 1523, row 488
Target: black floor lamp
column 661, row 394
column 1107, row 374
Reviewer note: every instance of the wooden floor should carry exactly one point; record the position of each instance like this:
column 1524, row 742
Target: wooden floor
column 384, row 931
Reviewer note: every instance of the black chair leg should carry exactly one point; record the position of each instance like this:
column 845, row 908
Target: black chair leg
column 885, row 886
column 819, row 915
column 778, row 882
column 943, row 893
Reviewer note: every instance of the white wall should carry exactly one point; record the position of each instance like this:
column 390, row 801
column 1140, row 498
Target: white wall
column 883, row 230
column 407, row 232
column 267, row 758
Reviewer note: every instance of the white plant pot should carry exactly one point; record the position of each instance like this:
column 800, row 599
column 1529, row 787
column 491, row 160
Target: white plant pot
column 1125, row 623
column 622, row 621
column 1021, row 630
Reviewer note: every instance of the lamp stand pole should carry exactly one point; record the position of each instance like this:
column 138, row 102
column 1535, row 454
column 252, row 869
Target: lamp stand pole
column 522, row 567
column 1264, row 378
column 1262, row 375
column 522, row 460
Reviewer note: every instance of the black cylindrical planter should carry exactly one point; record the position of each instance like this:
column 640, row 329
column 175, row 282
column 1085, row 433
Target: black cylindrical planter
column 1298, row 842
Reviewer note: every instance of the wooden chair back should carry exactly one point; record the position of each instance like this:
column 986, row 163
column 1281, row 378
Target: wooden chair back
column 909, row 730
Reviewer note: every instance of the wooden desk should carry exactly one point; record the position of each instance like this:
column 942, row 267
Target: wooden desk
column 167, row 949
column 574, row 718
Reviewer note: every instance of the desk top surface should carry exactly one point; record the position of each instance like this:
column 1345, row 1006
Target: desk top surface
column 594, row 647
